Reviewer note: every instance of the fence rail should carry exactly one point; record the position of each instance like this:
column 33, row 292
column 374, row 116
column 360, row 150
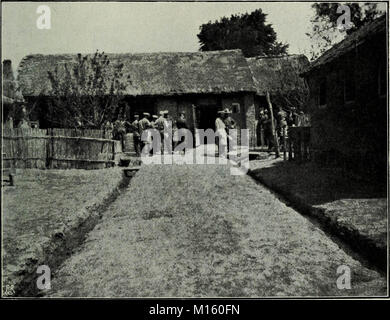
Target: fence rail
column 57, row 148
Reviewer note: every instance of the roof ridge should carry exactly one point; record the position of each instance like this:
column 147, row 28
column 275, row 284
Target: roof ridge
column 131, row 53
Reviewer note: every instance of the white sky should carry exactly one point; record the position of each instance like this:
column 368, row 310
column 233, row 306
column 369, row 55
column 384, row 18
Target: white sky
column 135, row 27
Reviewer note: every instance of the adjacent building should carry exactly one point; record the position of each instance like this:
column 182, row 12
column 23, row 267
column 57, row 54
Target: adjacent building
column 348, row 101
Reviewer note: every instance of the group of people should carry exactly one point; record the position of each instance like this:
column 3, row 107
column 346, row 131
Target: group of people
column 164, row 124
column 282, row 121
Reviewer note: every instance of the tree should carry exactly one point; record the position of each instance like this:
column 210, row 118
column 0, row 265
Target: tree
column 85, row 94
column 248, row 32
column 325, row 29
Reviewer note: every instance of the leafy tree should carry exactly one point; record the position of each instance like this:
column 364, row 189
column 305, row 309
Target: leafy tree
column 85, row 94
column 248, row 32
column 325, row 31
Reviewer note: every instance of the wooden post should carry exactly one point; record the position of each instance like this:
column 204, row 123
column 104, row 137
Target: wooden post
column 195, row 121
column 276, row 143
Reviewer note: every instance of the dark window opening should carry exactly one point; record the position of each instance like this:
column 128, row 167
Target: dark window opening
column 235, row 107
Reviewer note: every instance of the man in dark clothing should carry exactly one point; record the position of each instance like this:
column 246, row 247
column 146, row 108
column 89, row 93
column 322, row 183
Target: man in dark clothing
column 181, row 123
column 230, row 124
column 136, row 135
column 267, row 127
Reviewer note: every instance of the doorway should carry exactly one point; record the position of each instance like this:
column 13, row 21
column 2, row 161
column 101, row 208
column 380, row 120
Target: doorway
column 207, row 115
column 205, row 119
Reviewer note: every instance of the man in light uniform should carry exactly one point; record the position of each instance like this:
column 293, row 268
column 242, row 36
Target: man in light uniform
column 221, row 133
column 145, row 124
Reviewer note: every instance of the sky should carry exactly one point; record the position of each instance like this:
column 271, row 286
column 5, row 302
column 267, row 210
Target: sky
column 116, row 27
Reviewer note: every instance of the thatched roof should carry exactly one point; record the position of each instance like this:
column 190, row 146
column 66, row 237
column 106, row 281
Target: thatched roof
column 353, row 40
column 277, row 73
column 153, row 73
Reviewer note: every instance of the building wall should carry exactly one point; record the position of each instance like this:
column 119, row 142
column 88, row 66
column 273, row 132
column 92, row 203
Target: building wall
column 354, row 131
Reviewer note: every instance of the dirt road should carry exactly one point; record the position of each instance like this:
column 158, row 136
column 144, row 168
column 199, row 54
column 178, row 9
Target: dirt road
column 197, row 231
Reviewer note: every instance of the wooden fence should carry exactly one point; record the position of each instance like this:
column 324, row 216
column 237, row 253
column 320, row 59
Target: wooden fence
column 57, row 148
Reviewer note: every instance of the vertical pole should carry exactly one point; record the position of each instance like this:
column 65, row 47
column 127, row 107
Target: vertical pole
column 276, row 143
column 195, row 120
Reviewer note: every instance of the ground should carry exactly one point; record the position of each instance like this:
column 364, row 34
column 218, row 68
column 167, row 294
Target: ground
column 354, row 208
column 44, row 205
column 198, row 231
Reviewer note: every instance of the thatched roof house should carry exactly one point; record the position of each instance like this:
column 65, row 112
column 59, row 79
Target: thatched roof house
column 275, row 74
column 198, row 83
column 147, row 74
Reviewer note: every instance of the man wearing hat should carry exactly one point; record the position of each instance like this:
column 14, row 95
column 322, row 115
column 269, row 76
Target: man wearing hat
column 144, row 124
column 153, row 122
column 136, row 135
column 229, row 123
column 221, row 133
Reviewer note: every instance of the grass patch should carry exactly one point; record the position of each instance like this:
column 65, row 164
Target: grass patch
column 41, row 215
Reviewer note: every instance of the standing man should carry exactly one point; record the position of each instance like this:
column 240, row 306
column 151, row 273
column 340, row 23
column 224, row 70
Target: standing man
column 136, row 135
column 159, row 125
column 181, row 123
column 221, row 133
column 282, row 125
column 230, row 125
column 145, row 124
column 167, row 132
column 229, row 121
column 153, row 122
column 267, row 126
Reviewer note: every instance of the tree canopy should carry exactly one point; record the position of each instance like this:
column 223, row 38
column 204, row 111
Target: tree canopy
column 248, row 32
column 325, row 31
column 87, row 93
